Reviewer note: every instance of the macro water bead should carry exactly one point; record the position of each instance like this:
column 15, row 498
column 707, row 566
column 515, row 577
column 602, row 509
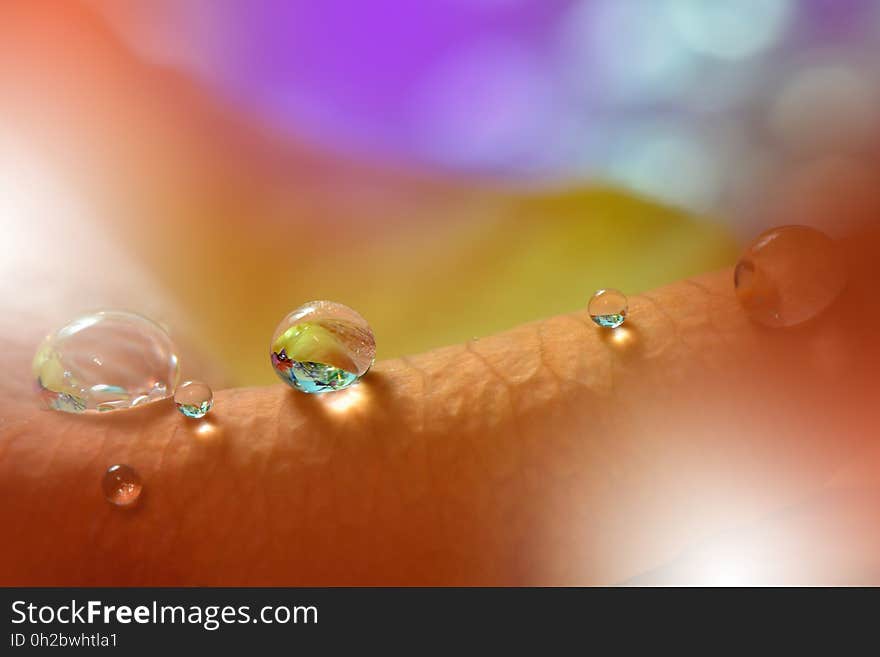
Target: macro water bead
column 106, row 361
column 322, row 346
column 608, row 308
column 194, row 399
column 121, row 485
column 789, row 275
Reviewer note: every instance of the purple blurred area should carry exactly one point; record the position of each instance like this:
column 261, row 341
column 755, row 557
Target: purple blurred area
column 701, row 104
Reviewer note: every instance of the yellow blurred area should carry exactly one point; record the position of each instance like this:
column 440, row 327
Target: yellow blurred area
column 433, row 283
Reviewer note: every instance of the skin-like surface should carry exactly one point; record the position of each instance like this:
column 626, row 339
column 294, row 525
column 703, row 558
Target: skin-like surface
column 555, row 453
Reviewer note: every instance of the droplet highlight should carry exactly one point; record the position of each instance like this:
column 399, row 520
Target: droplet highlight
column 789, row 275
column 322, row 346
column 608, row 308
column 194, row 399
column 106, row 361
column 122, row 485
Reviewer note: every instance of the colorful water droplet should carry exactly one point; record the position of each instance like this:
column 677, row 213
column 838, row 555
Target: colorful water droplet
column 322, row 346
column 122, row 485
column 106, row 361
column 608, row 308
column 194, row 399
column 789, row 275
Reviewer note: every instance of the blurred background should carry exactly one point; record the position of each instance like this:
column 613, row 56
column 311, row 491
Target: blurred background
column 450, row 168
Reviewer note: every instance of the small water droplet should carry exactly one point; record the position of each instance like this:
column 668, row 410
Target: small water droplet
column 322, row 346
column 789, row 275
column 105, row 361
column 608, row 308
column 122, row 485
column 194, row 399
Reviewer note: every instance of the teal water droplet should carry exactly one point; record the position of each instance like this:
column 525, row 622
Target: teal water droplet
column 194, row 399
column 608, row 308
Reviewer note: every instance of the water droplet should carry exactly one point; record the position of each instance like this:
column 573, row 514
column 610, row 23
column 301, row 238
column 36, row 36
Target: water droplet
column 322, row 346
column 789, row 275
column 106, row 361
column 608, row 308
column 122, row 485
column 194, row 399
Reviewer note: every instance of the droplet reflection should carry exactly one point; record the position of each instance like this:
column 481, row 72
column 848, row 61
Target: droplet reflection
column 608, row 308
column 789, row 275
column 322, row 346
column 122, row 485
column 106, row 361
column 194, row 399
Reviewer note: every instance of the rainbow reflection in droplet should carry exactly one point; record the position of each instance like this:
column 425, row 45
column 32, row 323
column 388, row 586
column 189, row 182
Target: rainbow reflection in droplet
column 322, row 346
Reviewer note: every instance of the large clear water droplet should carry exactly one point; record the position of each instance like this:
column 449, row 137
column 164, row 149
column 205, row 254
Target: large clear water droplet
column 789, row 275
column 322, row 346
column 106, row 361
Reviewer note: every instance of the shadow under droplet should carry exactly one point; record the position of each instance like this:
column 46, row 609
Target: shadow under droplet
column 343, row 402
column 626, row 340
column 206, row 429
column 350, row 406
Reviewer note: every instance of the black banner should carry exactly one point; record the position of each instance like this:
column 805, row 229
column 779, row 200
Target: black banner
column 410, row 620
